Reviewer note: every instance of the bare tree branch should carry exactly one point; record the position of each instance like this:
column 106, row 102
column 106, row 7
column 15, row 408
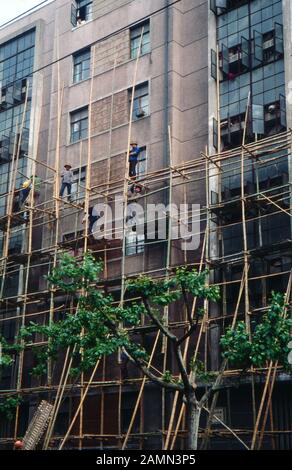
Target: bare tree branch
column 157, row 322
column 152, row 377
column 183, row 372
column 189, row 310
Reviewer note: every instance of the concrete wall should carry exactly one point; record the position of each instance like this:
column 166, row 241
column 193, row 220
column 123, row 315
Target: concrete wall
column 176, row 70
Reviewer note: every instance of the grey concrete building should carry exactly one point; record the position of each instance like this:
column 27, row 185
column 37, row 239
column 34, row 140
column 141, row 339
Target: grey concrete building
column 70, row 65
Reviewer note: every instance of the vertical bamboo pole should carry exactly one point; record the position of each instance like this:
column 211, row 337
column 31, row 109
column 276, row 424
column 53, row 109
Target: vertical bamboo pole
column 125, row 191
column 31, row 201
column 10, row 197
column 102, row 417
column 125, row 203
column 21, row 355
column 86, row 209
column 167, row 267
column 172, row 416
column 56, row 189
column 271, row 366
column 140, row 394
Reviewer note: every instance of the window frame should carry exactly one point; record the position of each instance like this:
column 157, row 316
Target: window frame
column 80, row 130
column 79, row 55
column 142, row 161
column 137, row 244
column 135, row 34
column 139, row 97
column 79, row 177
column 75, row 12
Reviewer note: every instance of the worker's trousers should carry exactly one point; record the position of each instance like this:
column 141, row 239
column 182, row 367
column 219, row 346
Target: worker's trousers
column 63, row 187
column 132, row 169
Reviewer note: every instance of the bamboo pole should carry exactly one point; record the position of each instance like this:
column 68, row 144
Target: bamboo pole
column 271, row 366
column 138, row 401
column 172, row 417
column 125, row 189
column 21, row 355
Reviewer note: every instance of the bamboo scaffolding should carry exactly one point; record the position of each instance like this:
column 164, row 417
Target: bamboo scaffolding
column 31, row 203
column 272, row 366
column 177, row 175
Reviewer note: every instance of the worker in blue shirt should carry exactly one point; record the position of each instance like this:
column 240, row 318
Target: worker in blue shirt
column 133, row 159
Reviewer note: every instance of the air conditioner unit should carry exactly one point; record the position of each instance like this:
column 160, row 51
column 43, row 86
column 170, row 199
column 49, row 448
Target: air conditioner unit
column 272, row 108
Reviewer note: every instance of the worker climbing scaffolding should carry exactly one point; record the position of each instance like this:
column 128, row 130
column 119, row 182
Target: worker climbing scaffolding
column 67, row 180
column 134, row 153
column 93, row 216
column 24, row 193
column 133, row 159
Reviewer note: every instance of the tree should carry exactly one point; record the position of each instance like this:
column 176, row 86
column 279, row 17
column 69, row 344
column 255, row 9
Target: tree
column 270, row 339
column 95, row 329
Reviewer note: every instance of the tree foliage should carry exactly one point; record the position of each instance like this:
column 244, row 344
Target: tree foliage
column 269, row 340
column 94, row 329
column 8, row 406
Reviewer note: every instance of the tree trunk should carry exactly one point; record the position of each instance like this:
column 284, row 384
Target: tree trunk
column 194, row 415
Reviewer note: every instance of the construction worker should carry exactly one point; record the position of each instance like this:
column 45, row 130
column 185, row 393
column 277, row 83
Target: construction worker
column 36, row 183
column 24, row 193
column 93, row 217
column 16, row 201
column 67, row 180
column 136, row 189
column 18, row 445
column 133, row 159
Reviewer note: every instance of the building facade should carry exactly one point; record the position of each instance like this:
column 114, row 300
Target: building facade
column 202, row 77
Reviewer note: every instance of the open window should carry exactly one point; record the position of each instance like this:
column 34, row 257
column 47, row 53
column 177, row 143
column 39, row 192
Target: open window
column 283, row 112
column 258, row 119
column 81, row 12
column 258, row 51
column 245, row 54
column 279, row 42
column 232, row 131
column 213, row 64
column 218, row 6
column 225, row 60
column 235, row 60
column 269, row 46
column 275, row 116
column 215, row 134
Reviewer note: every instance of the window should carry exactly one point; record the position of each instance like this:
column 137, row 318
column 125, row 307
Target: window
column 141, row 101
column 79, row 125
column 72, row 236
column 79, row 183
column 268, row 47
column 81, row 66
column 221, row 6
column 81, row 11
column 136, row 34
column 135, row 243
column 15, row 243
column 16, row 59
column 141, row 164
